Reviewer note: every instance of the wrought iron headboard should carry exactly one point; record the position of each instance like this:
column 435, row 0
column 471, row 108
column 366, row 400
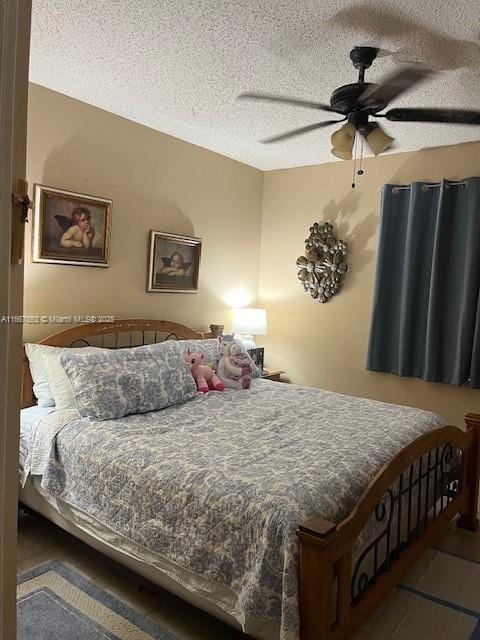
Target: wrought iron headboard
column 114, row 335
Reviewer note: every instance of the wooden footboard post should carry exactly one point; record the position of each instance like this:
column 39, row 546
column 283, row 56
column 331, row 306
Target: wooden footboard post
column 469, row 519
column 318, row 575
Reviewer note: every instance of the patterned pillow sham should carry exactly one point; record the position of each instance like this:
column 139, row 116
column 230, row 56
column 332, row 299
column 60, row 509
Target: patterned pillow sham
column 211, row 351
column 115, row 383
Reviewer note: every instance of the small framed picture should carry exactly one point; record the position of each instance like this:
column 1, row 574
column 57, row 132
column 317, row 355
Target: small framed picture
column 173, row 263
column 257, row 355
column 71, row 228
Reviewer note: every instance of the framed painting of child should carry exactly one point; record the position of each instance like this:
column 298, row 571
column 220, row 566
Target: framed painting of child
column 70, row 228
column 173, row 263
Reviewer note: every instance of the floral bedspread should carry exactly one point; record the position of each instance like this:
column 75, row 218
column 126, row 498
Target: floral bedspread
column 219, row 484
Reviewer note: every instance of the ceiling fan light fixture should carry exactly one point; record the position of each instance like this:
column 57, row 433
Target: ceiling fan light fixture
column 377, row 139
column 343, row 140
column 344, row 137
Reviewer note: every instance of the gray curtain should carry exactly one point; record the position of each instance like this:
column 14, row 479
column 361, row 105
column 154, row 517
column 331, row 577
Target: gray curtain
column 426, row 311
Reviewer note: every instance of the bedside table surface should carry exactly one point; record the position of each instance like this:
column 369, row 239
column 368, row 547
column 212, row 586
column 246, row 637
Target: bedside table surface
column 272, row 372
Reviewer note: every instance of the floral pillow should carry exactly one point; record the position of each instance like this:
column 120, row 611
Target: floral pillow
column 113, row 383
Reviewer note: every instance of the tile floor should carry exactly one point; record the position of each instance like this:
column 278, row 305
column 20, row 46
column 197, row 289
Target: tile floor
column 439, row 599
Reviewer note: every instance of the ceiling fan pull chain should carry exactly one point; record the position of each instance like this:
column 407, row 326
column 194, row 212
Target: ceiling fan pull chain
column 360, row 169
column 354, row 161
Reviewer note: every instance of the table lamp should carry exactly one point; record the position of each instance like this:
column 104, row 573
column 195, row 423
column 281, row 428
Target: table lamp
column 249, row 322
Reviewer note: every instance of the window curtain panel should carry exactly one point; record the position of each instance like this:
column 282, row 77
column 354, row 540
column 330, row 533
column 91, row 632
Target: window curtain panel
column 426, row 312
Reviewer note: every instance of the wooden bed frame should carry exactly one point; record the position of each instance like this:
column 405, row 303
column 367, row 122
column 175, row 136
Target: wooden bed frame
column 430, row 481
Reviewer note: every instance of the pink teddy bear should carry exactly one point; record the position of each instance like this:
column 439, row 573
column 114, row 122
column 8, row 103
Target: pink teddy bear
column 205, row 376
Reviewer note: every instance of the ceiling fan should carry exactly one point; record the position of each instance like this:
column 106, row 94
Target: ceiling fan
column 361, row 102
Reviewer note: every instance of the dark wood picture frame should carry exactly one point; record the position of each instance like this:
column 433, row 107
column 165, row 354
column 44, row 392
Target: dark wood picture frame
column 54, row 221
column 176, row 271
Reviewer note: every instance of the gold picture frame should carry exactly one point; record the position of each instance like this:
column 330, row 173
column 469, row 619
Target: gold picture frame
column 70, row 228
column 173, row 263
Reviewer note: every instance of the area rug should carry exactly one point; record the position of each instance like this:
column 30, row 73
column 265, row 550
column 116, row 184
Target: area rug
column 56, row 603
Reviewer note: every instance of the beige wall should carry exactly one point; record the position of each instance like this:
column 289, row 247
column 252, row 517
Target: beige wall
column 156, row 182
column 325, row 344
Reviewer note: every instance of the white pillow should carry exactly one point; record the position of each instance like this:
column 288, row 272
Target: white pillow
column 41, row 387
column 58, row 381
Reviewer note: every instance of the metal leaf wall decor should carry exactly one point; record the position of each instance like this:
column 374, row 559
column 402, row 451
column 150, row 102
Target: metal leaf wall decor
column 322, row 268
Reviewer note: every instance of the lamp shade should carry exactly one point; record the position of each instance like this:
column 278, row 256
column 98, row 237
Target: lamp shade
column 378, row 140
column 250, row 321
column 343, row 140
column 343, row 155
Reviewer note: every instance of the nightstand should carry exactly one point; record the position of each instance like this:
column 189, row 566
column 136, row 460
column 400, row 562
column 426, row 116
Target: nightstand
column 272, row 374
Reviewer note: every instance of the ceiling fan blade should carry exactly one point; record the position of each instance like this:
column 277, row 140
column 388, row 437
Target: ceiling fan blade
column 297, row 132
column 394, row 85
column 452, row 116
column 296, row 102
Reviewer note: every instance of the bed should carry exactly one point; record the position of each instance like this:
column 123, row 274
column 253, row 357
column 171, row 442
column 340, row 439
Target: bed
column 246, row 503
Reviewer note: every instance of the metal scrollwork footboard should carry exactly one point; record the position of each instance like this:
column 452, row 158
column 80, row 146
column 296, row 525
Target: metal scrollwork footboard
column 419, row 497
column 347, row 569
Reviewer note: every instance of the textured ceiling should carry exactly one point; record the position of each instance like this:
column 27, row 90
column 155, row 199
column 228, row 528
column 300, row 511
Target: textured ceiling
column 178, row 65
